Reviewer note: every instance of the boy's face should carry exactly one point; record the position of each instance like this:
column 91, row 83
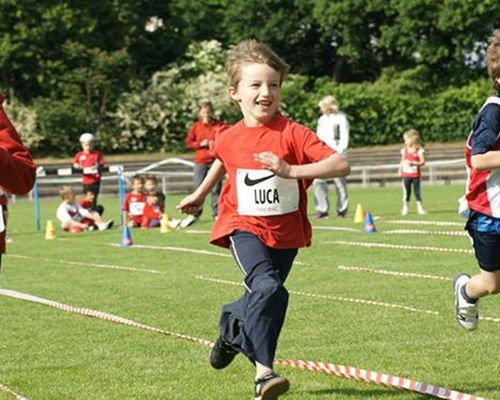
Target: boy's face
column 257, row 93
column 70, row 197
column 87, row 146
column 150, row 186
column 90, row 196
column 153, row 200
column 137, row 185
column 206, row 114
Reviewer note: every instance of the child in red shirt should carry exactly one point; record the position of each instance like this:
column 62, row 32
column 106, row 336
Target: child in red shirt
column 152, row 213
column 89, row 161
column 270, row 162
column 412, row 158
column 133, row 205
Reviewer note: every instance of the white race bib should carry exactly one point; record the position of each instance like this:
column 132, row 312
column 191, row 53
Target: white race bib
column 137, row 208
column 261, row 193
column 407, row 168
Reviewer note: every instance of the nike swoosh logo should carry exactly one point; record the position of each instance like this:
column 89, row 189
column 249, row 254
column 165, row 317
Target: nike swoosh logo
column 251, row 182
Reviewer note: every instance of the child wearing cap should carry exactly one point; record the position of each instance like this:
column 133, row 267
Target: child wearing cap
column 89, row 161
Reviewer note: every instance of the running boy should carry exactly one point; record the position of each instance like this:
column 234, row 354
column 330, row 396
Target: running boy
column 133, row 205
column 482, row 157
column 412, row 158
column 89, row 161
column 270, row 162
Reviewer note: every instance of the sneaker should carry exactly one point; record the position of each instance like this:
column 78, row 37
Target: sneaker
column 341, row 214
column 189, row 220
column 270, row 386
column 404, row 210
column 105, row 225
column 222, row 354
column 321, row 215
column 466, row 313
column 174, row 223
column 421, row 210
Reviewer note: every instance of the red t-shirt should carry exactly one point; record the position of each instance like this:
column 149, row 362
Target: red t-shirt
column 235, row 148
column 134, row 204
column 17, row 169
column 151, row 212
column 93, row 160
column 199, row 132
column 407, row 170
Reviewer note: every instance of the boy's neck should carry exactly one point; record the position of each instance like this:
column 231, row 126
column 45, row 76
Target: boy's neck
column 253, row 123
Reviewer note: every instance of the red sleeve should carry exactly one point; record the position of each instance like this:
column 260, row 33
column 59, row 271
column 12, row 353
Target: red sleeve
column 76, row 158
column 17, row 169
column 310, row 149
column 191, row 141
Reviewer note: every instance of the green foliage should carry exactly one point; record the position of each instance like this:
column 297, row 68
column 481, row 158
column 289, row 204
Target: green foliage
column 380, row 112
column 158, row 117
column 25, row 120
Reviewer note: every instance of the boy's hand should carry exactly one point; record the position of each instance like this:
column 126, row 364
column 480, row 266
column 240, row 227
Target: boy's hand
column 273, row 163
column 190, row 204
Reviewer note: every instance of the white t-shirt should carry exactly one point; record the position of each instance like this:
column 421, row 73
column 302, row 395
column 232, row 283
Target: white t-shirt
column 333, row 129
column 71, row 212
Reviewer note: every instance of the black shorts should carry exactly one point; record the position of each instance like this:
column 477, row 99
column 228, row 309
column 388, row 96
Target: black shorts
column 487, row 249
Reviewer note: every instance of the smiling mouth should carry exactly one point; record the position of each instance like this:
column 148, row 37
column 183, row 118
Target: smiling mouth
column 264, row 103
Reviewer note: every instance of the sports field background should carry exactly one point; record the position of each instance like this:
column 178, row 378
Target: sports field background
column 48, row 354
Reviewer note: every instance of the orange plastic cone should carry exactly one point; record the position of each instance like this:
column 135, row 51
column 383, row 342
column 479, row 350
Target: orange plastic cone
column 164, row 226
column 359, row 214
column 50, row 232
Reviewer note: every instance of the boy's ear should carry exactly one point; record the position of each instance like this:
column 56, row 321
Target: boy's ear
column 233, row 94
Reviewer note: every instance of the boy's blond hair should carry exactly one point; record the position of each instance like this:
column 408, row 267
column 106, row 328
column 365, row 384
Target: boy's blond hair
column 329, row 103
column 493, row 58
column 252, row 52
column 64, row 191
column 413, row 135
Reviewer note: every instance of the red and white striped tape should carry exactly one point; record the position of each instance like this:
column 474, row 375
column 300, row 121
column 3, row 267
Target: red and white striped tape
column 395, row 273
column 424, row 232
column 379, row 379
column 401, row 246
column 99, row 314
column 9, row 391
column 417, row 222
column 328, row 297
column 329, row 368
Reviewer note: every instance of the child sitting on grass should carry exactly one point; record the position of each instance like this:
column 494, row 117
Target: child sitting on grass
column 74, row 218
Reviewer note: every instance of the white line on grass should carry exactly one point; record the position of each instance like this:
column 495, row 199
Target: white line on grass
column 417, row 222
column 189, row 250
column 327, row 297
column 424, row 232
column 330, row 368
column 400, row 246
column 395, row 273
column 11, row 392
column 92, row 265
column 336, row 228
column 196, row 231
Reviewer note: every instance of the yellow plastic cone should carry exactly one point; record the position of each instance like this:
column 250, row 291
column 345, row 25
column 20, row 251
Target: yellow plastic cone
column 359, row 216
column 50, row 232
column 164, row 227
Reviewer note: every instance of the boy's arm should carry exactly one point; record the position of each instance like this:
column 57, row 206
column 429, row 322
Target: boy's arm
column 16, row 165
column 486, row 161
column 333, row 166
column 190, row 203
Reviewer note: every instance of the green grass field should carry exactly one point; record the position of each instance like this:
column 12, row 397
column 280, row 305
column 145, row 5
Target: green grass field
column 48, row 354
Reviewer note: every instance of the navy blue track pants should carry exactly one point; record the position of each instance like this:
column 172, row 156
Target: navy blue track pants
column 253, row 323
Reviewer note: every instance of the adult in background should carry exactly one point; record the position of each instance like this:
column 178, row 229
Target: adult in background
column 200, row 137
column 17, row 169
column 333, row 129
